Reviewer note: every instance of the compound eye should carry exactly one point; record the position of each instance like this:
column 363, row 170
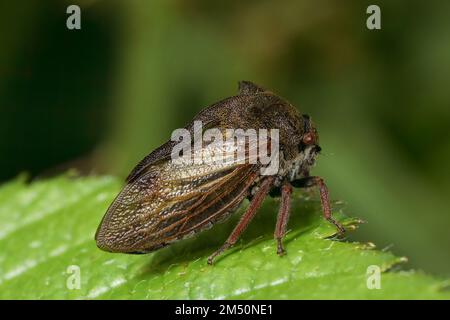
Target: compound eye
column 308, row 138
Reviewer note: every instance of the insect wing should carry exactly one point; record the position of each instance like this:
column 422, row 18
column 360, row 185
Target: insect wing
column 172, row 200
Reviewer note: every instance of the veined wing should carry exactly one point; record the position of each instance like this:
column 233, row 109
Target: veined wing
column 172, row 200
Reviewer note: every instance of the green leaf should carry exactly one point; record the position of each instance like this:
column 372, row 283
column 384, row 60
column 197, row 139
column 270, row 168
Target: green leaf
column 49, row 225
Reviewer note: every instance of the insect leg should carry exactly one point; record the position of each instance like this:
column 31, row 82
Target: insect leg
column 324, row 198
column 246, row 218
column 283, row 216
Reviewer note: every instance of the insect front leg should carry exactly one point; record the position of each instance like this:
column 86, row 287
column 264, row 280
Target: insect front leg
column 256, row 202
column 283, row 216
column 324, row 198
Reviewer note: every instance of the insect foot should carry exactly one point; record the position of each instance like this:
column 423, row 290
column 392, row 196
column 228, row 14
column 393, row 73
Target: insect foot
column 340, row 228
column 280, row 250
column 216, row 253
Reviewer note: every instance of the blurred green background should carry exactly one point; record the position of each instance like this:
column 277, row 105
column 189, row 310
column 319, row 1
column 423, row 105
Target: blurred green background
column 100, row 98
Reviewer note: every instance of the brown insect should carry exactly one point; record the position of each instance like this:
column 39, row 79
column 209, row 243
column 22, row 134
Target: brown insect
column 162, row 203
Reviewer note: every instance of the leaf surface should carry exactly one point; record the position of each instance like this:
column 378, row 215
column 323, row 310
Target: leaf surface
column 48, row 226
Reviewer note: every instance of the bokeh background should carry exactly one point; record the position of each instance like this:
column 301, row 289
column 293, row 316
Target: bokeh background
column 100, row 98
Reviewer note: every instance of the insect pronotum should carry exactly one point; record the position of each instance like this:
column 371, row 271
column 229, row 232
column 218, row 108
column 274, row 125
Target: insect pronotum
column 166, row 200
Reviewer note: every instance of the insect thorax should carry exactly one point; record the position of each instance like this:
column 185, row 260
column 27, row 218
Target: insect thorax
column 299, row 166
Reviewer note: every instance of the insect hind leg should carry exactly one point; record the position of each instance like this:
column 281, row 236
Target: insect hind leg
column 247, row 217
